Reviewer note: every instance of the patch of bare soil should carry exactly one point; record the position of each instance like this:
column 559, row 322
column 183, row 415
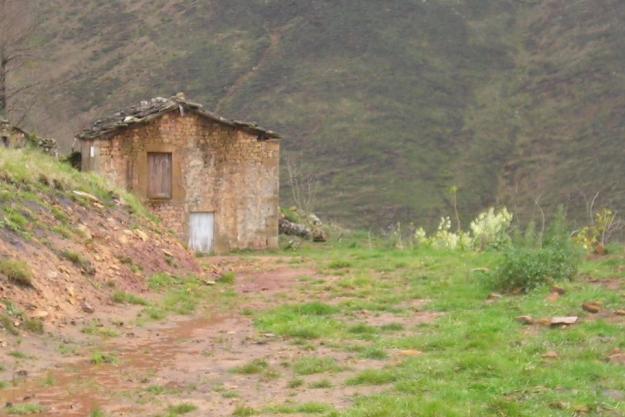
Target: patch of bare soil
column 193, row 360
column 78, row 264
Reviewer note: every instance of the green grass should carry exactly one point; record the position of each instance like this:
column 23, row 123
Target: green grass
column 242, row 411
column 373, row 377
column 180, row 409
column 122, row 297
column 79, row 261
column 24, row 409
column 17, row 271
column 256, row 366
column 99, row 330
column 18, row 355
column 315, row 365
column 322, row 384
column 181, row 296
column 305, row 408
column 100, row 358
column 304, row 321
column 475, row 359
column 227, row 278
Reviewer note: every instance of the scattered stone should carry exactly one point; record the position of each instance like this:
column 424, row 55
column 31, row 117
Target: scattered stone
column 39, row 314
column 553, row 297
column 620, row 312
column 592, row 307
column 551, row 355
column 410, row 352
column 563, row 321
column 294, row 229
column 84, row 230
column 558, row 290
column 319, row 235
column 494, row 296
column 525, row 320
column 142, row 235
column 87, row 196
column 87, row 308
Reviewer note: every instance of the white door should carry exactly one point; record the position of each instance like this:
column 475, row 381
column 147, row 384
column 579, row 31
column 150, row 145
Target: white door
column 201, row 228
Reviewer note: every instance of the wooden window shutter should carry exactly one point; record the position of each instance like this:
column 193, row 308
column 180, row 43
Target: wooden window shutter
column 159, row 181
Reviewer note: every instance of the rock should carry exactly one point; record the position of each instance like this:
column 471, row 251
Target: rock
column 494, row 296
column 294, row 229
column 319, row 235
column 410, row 352
column 544, row 322
column 592, row 307
column 553, row 297
column 39, row 314
column 620, row 312
column 86, row 195
column 563, row 321
column 142, row 235
column 558, row 290
column 167, row 253
column 87, row 308
column 551, row 355
column 525, row 320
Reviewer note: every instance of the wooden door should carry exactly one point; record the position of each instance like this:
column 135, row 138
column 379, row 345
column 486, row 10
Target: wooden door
column 201, row 230
column 159, row 175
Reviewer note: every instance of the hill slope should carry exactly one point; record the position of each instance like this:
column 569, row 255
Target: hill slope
column 386, row 105
column 68, row 241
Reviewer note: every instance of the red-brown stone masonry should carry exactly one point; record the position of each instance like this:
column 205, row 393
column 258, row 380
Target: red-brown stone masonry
column 216, row 169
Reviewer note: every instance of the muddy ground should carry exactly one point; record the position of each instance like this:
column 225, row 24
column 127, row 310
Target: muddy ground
column 188, row 359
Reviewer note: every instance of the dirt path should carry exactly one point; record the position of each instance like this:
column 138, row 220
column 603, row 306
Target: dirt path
column 192, row 360
column 188, row 360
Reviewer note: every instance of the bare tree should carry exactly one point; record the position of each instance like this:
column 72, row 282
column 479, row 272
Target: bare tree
column 17, row 24
column 303, row 186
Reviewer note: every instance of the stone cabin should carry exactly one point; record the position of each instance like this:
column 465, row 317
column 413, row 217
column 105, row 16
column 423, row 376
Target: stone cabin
column 213, row 181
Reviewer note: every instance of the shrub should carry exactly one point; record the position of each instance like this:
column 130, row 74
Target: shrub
column 527, row 265
column 525, row 268
column 16, row 271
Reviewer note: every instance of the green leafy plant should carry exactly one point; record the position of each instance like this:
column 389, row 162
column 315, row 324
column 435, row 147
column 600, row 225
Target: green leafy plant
column 527, row 265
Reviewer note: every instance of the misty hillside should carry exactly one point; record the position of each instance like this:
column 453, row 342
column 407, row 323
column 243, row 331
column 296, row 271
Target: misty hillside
column 385, row 104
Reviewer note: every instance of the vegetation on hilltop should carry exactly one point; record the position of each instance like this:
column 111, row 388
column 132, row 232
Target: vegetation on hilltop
column 385, row 106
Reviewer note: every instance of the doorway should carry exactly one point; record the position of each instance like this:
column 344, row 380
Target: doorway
column 201, row 232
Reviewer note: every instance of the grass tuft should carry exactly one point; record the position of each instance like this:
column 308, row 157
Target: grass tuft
column 17, row 271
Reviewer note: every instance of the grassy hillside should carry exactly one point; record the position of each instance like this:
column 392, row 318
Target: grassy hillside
column 69, row 242
column 386, row 105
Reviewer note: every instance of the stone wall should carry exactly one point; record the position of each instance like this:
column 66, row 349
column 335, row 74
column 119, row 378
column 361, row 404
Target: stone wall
column 215, row 168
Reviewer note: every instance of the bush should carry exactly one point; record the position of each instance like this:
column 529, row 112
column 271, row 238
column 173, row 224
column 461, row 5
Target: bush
column 530, row 263
column 524, row 268
column 16, row 271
